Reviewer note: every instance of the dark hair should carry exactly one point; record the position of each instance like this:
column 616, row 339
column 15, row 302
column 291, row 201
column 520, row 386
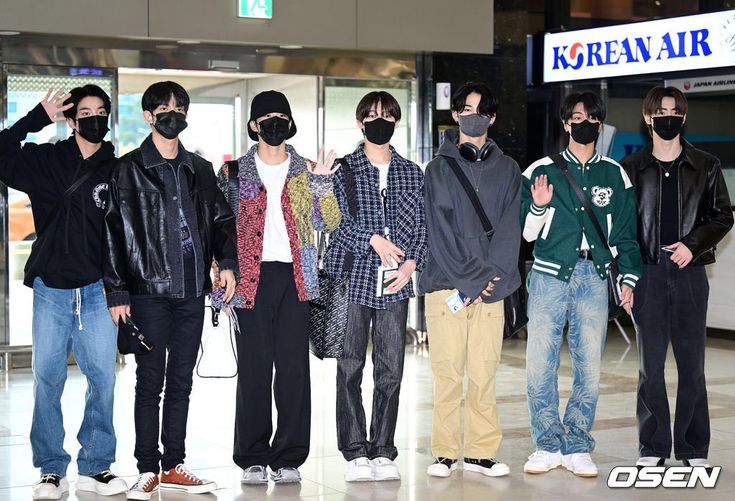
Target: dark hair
column 79, row 93
column 160, row 94
column 488, row 104
column 370, row 101
column 593, row 105
column 655, row 96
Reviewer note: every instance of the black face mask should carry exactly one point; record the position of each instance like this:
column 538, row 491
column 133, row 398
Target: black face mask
column 170, row 124
column 379, row 131
column 93, row 128
column 274, row 130
column 585, row 132
column 667, row 127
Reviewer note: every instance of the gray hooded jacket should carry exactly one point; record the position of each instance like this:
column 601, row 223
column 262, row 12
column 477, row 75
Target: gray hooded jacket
column 459, row 254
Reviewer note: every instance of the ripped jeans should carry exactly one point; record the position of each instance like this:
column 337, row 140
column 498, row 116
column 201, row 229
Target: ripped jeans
column 551, row 303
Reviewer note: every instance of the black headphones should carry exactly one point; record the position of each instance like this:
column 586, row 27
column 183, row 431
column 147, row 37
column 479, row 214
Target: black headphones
column 472, row 153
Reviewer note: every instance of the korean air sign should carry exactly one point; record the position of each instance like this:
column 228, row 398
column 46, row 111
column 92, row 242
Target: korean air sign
column 665, row 45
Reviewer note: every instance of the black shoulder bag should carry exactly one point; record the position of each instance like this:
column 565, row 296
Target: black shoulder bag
column 328, row 313
column 613, row 275
column 514, row 309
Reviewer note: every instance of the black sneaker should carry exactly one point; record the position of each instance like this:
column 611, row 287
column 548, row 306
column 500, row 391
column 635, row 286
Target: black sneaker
column 104, row 483
column 488, row 467
column 50, row 486
column 442, row 467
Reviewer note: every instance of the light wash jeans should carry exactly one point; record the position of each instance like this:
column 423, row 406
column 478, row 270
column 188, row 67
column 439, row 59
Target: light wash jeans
column 66, row 320
column 551, row 303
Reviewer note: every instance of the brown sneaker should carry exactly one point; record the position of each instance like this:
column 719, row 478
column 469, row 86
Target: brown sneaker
column 144, row 487
column 181, row 479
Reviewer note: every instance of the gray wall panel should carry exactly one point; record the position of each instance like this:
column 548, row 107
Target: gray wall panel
column 114, row 18
column 313, row 23
column 426, row 25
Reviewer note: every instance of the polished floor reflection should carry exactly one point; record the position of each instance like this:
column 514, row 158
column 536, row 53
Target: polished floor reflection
column 209, row 442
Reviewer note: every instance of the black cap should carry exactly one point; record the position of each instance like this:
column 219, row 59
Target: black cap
column 269, row 101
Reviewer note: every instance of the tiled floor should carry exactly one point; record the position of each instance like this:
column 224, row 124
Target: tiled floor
column 209, row 440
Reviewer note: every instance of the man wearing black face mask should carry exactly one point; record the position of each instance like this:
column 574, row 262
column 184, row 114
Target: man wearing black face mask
column 383, row 179
column 279, row 200
column 569, row 282
column 67, row 185
column 165, row 222
column 683, row 212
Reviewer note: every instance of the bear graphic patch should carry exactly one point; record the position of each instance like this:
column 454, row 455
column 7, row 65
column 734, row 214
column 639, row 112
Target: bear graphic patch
column 601, row 195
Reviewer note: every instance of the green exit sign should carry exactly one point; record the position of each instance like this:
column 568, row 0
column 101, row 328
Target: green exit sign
column 255, row 9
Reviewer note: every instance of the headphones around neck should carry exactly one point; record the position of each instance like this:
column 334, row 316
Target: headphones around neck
column 472, row 153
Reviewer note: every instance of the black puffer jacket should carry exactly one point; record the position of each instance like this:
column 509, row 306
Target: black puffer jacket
column 142, row 248
column 705, row 212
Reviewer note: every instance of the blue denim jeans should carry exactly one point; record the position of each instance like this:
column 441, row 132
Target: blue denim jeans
column 65, row 321
column 551, row 303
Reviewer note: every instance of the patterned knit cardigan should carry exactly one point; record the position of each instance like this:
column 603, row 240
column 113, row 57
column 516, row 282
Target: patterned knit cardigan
column 308, row 204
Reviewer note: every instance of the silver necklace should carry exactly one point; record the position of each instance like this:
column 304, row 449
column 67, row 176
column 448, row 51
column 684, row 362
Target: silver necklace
column 667, row 172
column 476, row 181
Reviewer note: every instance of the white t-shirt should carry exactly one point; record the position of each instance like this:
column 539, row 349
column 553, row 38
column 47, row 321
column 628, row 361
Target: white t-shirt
column 276, row 246
column 383, row 173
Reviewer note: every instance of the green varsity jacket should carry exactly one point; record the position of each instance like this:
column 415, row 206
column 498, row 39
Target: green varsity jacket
column 562, row 229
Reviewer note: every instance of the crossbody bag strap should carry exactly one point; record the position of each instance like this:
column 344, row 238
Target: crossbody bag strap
column 487, row 226
column 562, row 164
column 69, row 192
column 351, row 192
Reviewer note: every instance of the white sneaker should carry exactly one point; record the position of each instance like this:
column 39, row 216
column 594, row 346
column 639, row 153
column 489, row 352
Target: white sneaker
column 286, row 475
column 542, row 461
column 650, row 461
column 385, row 469
column 579, row 463
column 50, row 486
column 359, row 470
column 104, row 483
column 441, row 467
column 696, row 462
column 254, row 475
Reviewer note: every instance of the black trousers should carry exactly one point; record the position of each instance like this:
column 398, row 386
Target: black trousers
column 274, row 333
column 389, row 347
column 671, row 307
column 174, row 326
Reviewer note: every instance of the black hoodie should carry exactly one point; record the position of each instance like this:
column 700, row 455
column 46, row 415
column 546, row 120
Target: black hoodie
column 70, row 253
column 459, row 255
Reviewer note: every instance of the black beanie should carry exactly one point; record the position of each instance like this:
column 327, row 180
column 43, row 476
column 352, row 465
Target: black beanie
column 269, row 101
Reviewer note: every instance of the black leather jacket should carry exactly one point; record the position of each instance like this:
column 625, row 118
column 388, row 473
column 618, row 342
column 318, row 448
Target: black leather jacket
column 705, row 213
column 142, row 248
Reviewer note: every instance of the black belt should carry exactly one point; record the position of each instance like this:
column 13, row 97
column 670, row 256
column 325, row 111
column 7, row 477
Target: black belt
column 585, row 254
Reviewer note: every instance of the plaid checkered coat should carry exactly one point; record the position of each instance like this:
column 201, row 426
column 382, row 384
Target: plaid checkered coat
column 405, row 220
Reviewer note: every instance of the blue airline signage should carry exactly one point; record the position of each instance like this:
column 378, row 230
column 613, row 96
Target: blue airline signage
column 664, row 45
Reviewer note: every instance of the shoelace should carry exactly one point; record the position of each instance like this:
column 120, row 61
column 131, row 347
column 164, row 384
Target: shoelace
column 137, row 484
column 184, row 472
column 49, row 477
column 106, row 473
column 539, row 454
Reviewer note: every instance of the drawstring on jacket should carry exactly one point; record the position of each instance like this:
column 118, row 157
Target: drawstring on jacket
column 79, row 308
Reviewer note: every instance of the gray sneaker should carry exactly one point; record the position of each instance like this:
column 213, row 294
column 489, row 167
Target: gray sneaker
column 255, row 475
column 286, row 475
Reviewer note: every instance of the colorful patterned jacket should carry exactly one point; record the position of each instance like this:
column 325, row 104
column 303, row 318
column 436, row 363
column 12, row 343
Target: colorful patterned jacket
column 308, row 204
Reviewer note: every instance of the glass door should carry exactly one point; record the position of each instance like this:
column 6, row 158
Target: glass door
column 26, row 86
